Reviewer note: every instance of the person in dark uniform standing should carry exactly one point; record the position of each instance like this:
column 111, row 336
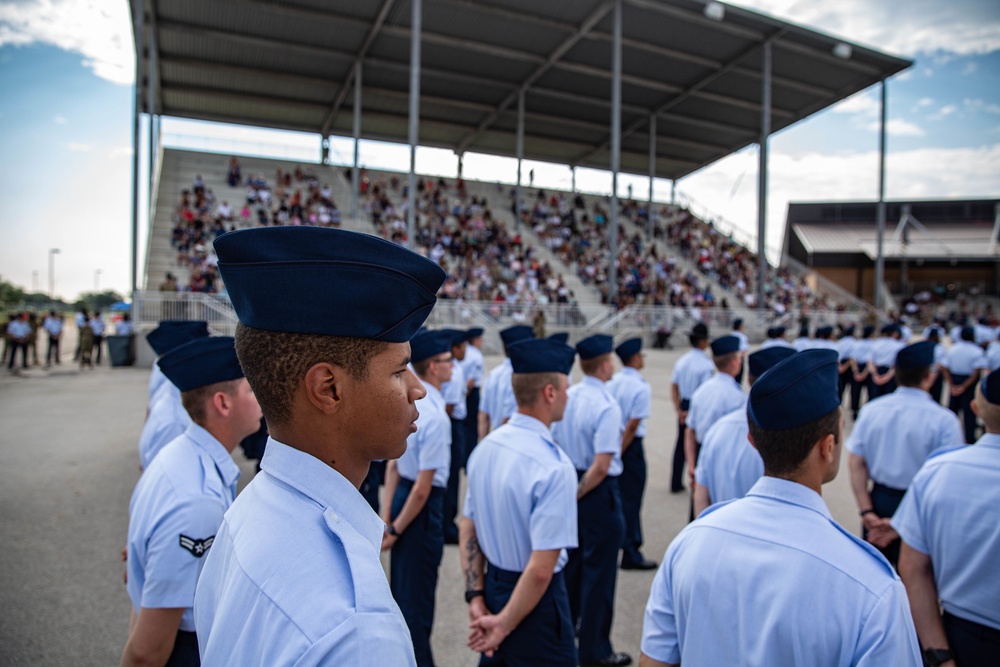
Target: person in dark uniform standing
column 591, row 435
column 416, row 484
column 633, row 394
column 892, row 438
column 691, row 370
column 951, row 545
column 473, row 367
column 179, row 501
column 519, row 518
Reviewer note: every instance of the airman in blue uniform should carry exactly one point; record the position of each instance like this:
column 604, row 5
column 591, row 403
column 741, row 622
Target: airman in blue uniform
column 497, row 403
column 691, row 370
column 294, row 575
column 591, row 435
column 473, row 367
column 961, row 366
column 416, row 485
column 798, row 587
column 892, row 438
column 634, row 395
column 951, row 545
column 178, row 503
column 519, row 518
column 454, row 392
column 880, row 369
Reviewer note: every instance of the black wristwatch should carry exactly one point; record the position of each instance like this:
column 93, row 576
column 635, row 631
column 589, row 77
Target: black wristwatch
column 472, row 595
column 933, row 656
column 391, row 530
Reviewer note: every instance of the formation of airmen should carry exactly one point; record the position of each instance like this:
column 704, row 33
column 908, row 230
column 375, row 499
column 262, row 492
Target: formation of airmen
column 289, row 573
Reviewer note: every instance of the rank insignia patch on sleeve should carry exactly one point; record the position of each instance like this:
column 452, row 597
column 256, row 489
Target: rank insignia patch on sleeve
column 196, row 547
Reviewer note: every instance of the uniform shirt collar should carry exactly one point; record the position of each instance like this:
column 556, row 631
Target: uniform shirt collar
column 593, row 382
column 224, row 463
column 324, row 485
column 786, row 491
column 628, row 370
column 913, row 392
column 532, row 424
column 990, row 440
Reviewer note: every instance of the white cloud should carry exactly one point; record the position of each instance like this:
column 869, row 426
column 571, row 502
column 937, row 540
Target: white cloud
column 978, row 105
column 60, row 120
column 925, row 102
column 970, row 69
column 944, row 112
column 99, row 30
column 77, row 147
column 864, row 102
column 908, row 27
column 925, row 173
column 898, row 127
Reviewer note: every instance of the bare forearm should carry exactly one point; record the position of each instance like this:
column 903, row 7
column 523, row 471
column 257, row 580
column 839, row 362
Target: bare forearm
column 593, row 477
column 917, row 574
column 702, row 500
column 530, row 588
column 415, row 502
column 472, row 560
column 690, row 448
column 629, row 435
column 484, row 424
column 859, row 481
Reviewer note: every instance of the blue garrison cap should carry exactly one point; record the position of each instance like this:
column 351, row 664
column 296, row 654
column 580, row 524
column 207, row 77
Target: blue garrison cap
column 173, row 333
column 990, row 386
column 796, row 391
column 968, row 333
column 474, row 332
column 541, row 355
column 725, row 345
column 561, row 337
column 516, row 333
column 700, row 330
column 629, row 349
column 457, row 336
column 331, row 282
column 918, row 355
column 849, row 331
column 868, row 330
column 804, row 331
column 430, row 343
column 824, row 332
column 201, row 362
column 737, row 323
column 762, row 360
column 595, row 346
column 890, row 328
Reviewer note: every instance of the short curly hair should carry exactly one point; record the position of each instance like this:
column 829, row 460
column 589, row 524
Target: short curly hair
column 274, row 363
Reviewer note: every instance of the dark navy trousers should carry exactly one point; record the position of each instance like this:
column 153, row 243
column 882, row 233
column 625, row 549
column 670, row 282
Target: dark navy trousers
column 677, row 471
column 592, row 570
column 962, row 405
column 185, row 653
column 451, row 495
column 471, row 423
column 374, row 479
column 545, row 636
column 632, row 483
column 972, row 643
column 413, row 570
column 885, row 501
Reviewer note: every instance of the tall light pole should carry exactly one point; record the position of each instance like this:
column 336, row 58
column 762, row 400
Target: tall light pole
column 34, row 281
column 52, row 272
column 97, row 281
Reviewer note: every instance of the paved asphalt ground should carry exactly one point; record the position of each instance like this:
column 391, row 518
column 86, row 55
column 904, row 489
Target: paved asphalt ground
column 69, row 461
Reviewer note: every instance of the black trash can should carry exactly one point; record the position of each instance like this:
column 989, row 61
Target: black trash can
column 121, row 349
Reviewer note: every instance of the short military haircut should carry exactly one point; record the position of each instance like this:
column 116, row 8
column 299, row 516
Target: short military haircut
column 275, row 362
column 528, row 386
column 590, row 366
column 911, row 377
column 195, row 400
column 784, row 450
column 421, row 367
column 723, row 360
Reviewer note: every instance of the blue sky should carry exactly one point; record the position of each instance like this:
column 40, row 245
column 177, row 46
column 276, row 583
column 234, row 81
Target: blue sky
column 65, row 177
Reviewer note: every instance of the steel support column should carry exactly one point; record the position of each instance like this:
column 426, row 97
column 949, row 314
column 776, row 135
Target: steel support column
column 519, row 150
column 137, row 23
column 652, row 175
column 616, row 145
column 765, row 133
column 355, row 168
column 151, row 113
column 411, row 209
column 880, row 256
column 572, row 179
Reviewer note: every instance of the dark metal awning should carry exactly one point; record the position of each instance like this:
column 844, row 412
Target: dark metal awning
column 290, row 64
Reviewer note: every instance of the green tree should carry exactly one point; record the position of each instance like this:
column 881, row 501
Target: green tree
column 97, row 300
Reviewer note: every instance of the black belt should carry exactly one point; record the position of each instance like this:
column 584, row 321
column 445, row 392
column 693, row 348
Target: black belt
column 889, row 490
column 981, row 631
column 500, row 574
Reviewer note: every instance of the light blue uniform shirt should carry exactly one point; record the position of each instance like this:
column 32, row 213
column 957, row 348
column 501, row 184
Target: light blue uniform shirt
column 949, row 513
column 715, row 399
column 521, row 494
column 845, row 348
column 167, row 419
column 992, row 355
column 884, row 350
column 473, row 365
column 633, row 394
column 728, row 465
column 175, row 512
column 955, row 333
column 497, row 399
column 774, row 342
column 964, row 358
column 430, row 447
column 691, row 370
column 294, row 576
column 53, row 326
column 803, row 343
column 896, row 433
column 736, row 585
column 744, row 341
column 591, row 424
column 454, row 391
column 863, row 352
column 156, row 380
column 983, row 334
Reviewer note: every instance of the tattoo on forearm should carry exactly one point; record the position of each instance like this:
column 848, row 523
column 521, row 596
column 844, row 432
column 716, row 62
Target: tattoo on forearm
column 472, row 554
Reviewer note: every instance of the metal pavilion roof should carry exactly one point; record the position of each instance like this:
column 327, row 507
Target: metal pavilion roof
column 289, row 64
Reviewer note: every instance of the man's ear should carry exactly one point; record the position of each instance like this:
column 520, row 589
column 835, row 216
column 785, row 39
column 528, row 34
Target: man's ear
column 324, row 385
column 827, row 445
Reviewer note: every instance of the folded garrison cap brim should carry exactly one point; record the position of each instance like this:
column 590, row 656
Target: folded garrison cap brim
column 916, row 356
column 541, row 355
column 330, row 282
column 595, row 346
column 762, row 361
column 430, row 344
column 516, row 333
column 561, row 337
column 990, row 386
column 796, row 391
column 629, row 349
column 201, row 362
column 174, row 333
column 725, row 345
